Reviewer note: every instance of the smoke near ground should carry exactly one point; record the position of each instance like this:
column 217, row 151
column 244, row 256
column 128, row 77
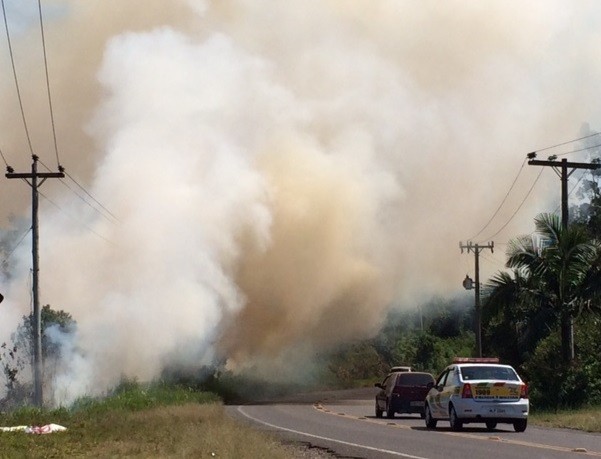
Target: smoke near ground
column 278, row 174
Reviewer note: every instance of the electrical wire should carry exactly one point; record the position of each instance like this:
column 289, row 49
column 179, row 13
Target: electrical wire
column 12, row 60
column 519, row 172
column 502, row 202
column 520, row 206
column 92, row 197
column 16, row 246
column 74, row 219
column 572, row 190
column 492, row 260
column 3, row 158
column 48, row 83
column 580, row 149
column 114, row 219
column 565, row 143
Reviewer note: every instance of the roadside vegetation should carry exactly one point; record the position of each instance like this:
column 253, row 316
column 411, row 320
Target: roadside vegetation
column 587, row 419
column 139, row 421
column 165, row 420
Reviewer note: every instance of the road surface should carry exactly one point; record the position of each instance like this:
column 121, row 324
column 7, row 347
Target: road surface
column 344, row 422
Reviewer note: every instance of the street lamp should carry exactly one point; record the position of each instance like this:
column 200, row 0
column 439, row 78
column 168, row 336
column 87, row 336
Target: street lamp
column 468, row 283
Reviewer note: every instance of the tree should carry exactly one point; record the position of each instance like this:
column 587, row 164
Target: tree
column 563, row 276
column 16, row 356
column 514, row 320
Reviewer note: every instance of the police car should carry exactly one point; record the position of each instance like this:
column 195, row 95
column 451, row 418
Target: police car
column 478, row 390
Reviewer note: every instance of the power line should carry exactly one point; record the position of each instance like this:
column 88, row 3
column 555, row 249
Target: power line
column 12, row 60
column 3, row 158
column 74, row 219
column 92, row 197
column 16, row 246
column 500, row 205
column 519, row 207
column 565, row 143
column 580, row 149
column 115, row 219
column 48, row 84
column 572, row 190
column 520, row 171
column 493, row 260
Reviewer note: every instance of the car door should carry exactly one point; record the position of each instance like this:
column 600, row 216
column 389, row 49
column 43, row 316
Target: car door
column 449, row 388
column 381, row 395
column 435, row 396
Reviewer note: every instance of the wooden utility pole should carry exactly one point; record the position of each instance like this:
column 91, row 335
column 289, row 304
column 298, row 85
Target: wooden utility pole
column 476, row 248
column 32, row 179
column 561, row 169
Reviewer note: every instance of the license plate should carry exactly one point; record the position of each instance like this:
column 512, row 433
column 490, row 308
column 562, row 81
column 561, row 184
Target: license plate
column 496, row 410
column 417, row 403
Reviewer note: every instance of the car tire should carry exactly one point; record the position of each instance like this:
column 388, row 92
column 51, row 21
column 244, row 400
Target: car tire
column 430, row 421
column 422, row 414
column 389, row 411
column 456, row 424
column 491, row 425
column 520, row 425
column 378, row 411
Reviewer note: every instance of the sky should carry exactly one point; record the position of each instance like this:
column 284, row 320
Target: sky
column 250, row 181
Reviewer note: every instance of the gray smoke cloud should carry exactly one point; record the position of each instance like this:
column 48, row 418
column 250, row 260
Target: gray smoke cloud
column 281, row 173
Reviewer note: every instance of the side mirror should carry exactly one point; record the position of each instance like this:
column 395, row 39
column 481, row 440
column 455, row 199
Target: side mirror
column 378, row 385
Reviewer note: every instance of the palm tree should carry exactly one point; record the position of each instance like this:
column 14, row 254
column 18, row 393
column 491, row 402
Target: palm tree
column 516, row 318
column 563, row 276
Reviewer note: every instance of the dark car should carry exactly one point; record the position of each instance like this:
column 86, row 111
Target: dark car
column 403, row 392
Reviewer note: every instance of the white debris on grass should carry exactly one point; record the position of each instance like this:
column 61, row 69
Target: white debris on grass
column 39, row 430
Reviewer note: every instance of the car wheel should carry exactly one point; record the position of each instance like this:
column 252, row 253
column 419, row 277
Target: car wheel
column 378, row 411
column 456, row 424
column 389, row 411
column 430, row 421
column 520, row 425
column 491, row 425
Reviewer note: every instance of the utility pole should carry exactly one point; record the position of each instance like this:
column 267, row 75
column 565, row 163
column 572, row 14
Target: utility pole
column 561, row 169
column 468, row 284
column 32, row 179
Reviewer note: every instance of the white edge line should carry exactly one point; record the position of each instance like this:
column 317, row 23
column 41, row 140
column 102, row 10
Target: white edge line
column 328, row 439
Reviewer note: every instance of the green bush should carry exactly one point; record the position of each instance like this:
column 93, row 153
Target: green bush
column 554, row 385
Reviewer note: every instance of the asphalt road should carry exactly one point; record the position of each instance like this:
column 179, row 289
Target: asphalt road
column 344, row 422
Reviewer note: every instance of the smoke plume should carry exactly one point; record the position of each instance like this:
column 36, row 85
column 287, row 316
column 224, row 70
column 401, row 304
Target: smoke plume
column 274, row 176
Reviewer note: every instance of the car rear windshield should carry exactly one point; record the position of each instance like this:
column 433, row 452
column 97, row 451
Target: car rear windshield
column 488, row 372
column 414, row 379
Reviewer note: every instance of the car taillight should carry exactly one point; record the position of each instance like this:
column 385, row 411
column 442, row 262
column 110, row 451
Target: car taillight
column 466, row 392
column 524, row 391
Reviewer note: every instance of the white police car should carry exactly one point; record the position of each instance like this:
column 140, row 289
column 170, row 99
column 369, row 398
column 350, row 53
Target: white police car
column 478, row 390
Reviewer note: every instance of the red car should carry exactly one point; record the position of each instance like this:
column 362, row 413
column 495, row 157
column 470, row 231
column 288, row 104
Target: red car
column 403, row 392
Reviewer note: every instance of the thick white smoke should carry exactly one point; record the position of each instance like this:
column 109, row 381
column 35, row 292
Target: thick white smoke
column 279, row 174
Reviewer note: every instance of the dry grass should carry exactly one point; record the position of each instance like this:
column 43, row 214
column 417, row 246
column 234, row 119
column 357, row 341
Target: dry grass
column 190, row 430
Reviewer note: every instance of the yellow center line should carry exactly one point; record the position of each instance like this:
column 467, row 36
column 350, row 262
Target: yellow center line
column 564, row 449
